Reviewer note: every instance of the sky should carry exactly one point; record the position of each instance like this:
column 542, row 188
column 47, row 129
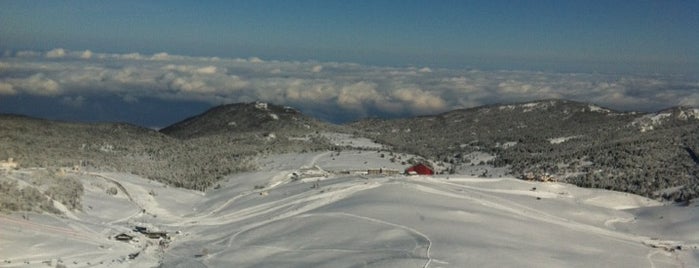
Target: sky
column 253, row 48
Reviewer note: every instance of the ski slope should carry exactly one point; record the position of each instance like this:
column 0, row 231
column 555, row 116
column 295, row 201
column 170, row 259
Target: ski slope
column 268, row 219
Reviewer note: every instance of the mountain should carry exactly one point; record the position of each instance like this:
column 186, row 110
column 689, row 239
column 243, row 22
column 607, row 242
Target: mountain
column 584, row 144
column 651, row 154
column 271, row 218
column 187, row 156
column 281, row 188
column 239, row 118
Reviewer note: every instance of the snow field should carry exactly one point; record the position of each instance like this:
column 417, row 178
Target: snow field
column 268, row 219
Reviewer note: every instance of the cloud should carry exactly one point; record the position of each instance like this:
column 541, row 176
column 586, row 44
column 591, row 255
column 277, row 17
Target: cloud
column 255, row 60
column 56, row 53
column 358, row 95
column 160, row 56
column 207, row 70
column 420, row 100
column 7, row 89
column 86, row 54
column 691, row 100
column 37, row 84
column 328, row 88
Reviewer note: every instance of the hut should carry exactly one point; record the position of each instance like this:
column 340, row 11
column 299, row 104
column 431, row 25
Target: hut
column 155, row 235
column 419, row 169
column 123, row 237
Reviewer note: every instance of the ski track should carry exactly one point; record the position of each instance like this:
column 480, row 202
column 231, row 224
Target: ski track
column 81, row 235
column 610, row 222
column 410, row 229
column 314, row 201
column 527, row 212
column 274, row 182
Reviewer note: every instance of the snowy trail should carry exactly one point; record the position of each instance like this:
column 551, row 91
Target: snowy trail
column 404, row 227
column 50, row 229
column 309, row 202
column 115, row 182
column 500, row 203
column 276, row 180
column 504, row 204
column 315, row 159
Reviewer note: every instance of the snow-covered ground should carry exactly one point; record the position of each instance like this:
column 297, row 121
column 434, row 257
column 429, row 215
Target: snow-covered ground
column 342, row 139
column 560, row 140
column 268, row 219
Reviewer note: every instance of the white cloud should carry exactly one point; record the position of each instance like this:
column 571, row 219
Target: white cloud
column 86, row 54
column 420, row 100
column 207, row 70
column 130, row 56
column 357, row 95
column 160, row 56
column 56, row 53
column 691, row 100
column 255, row 60
column 38, row 84
column 7, row 89
column 356, row 89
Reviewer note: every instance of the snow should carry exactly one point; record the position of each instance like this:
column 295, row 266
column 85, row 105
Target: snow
column 649, row 122
column 688, row 114
column 261, row 105
column 505, row 145
column 342, row 139
column 595, row 108
column 348, row 220
column 560, row 140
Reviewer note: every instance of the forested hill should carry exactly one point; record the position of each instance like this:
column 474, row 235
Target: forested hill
column 239, row 118
column 584, row 144
column 653, row 154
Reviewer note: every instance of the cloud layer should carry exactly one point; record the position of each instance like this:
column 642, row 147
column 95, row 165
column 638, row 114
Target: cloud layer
column 333, row 91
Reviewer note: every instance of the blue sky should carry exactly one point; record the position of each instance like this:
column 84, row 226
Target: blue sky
column 154, row 62
column 589, row 35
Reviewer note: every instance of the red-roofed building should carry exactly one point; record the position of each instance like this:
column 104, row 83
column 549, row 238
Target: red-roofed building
column 419, row 169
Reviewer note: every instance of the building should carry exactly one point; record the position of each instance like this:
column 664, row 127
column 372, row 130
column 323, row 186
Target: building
column 8, row 164
column 123, row 237
column 383, row 171
column 419, row 169
column 140, row 229
column 156, row 235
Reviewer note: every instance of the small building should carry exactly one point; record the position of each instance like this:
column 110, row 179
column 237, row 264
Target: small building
column 382, row 171
column 123, row 237
column 156, row 235
column 419, row 169
column 140, row 229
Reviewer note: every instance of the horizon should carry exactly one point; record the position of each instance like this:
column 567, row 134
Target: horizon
column 153, row 63
column 204, row 109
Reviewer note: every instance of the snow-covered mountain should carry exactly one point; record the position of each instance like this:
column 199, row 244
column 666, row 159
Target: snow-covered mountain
column 576, row 142
column 244, row 118
column 648, row 154
column 287, row 214
column 259, row 185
